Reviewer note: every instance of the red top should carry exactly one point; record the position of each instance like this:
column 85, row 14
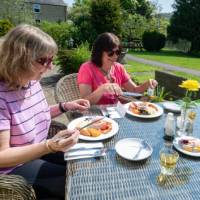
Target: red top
column 92, row 75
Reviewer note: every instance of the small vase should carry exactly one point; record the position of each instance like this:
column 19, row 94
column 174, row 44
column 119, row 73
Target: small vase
column 186, row 121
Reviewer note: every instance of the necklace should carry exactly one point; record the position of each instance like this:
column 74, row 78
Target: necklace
column 107, row 74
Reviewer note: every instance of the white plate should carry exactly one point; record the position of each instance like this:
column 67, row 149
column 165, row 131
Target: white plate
column 171, row 106
column 178, row 147
column 157, row 114
column 133, row 149
column 114, row 130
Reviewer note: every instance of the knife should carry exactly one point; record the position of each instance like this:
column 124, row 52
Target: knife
column 97, row 153
column 132, row 94
column 80, row 128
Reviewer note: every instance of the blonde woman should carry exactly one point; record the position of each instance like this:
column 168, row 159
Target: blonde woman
column 26, row 53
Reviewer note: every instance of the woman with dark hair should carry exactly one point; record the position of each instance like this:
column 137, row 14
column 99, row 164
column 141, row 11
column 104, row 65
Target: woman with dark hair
column 101, row 79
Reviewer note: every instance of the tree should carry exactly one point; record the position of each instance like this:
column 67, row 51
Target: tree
column 81, row 17
column 133, row 27
column 185, row 23
column 140, row 7
column 144, row 8
column 106, row 16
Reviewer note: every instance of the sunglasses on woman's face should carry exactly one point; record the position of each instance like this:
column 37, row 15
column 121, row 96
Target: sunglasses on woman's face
column 116, row 52
column 45, row 61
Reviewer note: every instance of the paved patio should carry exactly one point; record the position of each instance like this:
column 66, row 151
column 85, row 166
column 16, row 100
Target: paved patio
column 48, row 83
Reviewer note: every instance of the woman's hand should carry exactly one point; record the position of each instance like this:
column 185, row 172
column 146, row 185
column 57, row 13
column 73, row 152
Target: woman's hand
column 80, row 104
column 152, row 83
column 63, row 140
column 111, row 88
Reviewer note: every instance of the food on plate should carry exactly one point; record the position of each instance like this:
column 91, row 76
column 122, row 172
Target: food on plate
column 95, row 129
column 191, row 145
column 143, row 108
column 90, row 132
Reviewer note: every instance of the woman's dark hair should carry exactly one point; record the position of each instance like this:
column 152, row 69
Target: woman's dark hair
column 104, row 42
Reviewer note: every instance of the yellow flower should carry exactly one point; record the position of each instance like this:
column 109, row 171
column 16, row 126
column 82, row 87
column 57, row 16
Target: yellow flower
column 190, row 85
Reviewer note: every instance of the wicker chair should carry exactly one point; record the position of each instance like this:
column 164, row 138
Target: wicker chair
column 67, row 89
column 14, row 187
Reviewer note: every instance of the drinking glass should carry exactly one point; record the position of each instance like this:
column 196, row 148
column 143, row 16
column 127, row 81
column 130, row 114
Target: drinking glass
column 168, row 159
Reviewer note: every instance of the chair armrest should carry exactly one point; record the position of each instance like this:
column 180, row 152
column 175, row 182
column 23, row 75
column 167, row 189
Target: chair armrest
column 15, row 187
column 55, row 127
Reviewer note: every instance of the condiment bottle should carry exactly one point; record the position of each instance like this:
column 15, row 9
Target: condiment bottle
column 170, row 126
column 150, row 92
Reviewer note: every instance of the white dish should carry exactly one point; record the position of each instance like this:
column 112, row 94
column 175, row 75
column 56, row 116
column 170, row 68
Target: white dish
column 134, row 149
column 157, row 114
column 171, row 106
column 178, row 147
column 114, row 130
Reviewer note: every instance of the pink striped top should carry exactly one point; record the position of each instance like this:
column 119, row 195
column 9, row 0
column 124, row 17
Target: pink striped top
column 26, row 114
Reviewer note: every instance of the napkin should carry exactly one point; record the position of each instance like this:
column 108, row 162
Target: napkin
column 115, row 112
column 84, row 150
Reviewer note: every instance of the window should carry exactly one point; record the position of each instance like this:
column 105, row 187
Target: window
column 36, row 8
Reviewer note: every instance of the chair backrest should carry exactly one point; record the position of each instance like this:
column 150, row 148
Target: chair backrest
column 67, row 88
column 170, row 82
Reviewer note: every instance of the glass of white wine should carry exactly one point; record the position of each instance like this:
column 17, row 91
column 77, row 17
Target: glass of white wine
column 168, row 159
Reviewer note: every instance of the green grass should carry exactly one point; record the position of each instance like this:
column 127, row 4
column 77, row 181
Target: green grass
column 170, row 57
column 141, row 72
column 187, row 76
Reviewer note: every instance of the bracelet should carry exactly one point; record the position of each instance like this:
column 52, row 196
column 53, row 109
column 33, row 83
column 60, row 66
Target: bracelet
column 61, row 107
column 49, row 147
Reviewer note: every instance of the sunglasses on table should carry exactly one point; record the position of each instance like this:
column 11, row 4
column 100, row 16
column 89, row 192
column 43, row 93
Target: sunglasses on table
column 45, row 61
column 111, row 53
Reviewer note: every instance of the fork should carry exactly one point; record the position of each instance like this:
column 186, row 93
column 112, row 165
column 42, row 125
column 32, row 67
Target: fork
column 143, row 145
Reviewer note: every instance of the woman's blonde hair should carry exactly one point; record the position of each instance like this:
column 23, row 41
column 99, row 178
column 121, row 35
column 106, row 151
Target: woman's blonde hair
column 19, row 48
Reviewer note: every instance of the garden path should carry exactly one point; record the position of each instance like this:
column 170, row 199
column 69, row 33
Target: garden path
column 164, row 65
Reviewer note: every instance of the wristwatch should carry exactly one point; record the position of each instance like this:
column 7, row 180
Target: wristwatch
column 61, row 107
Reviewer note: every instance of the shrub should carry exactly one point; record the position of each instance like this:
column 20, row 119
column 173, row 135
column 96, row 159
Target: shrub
column 153, row 41
column 5, row 26
column 69, row 61
column 60, row 32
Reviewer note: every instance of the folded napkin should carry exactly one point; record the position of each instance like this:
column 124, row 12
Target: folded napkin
column 114, row 112
column 85, row 150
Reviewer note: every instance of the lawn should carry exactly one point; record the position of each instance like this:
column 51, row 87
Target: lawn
column 141, row 72
column 170, row 57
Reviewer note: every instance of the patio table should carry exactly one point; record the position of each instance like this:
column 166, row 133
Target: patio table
column 114, row 178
